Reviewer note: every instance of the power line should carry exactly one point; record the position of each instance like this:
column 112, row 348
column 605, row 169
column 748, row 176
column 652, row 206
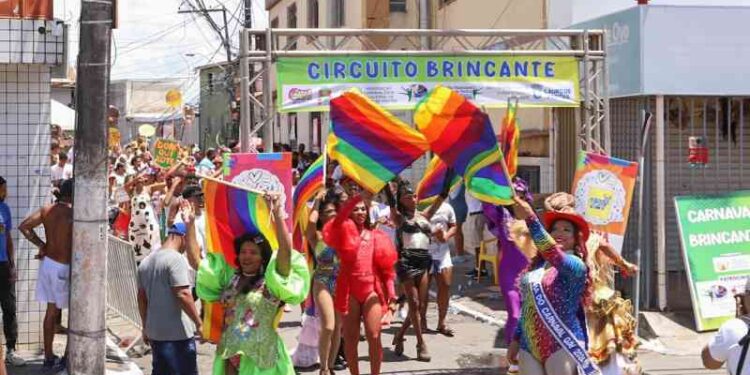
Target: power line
column 154, row 37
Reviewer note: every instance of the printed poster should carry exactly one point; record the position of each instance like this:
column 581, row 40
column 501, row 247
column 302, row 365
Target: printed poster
column 400, row 82
column 715, row 236
column 166, row 152
column 264, row 172
column 603, row 189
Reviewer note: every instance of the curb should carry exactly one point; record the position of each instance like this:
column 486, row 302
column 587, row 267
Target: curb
column 463, row 310
column 114, row 352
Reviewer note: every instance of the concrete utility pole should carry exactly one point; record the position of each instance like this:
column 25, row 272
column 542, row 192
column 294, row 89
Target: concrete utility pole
column 247, row 71
column 86, row 335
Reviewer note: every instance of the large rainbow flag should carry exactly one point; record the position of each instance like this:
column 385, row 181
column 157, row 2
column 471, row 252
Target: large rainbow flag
column 231, row 212
column 371, row 145
column 510, row 135
column 432, row 183
column 461, row 134
column 311, row 182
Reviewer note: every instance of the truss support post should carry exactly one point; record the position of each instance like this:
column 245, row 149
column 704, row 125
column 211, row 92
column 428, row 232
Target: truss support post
column 269, row 109
column 245, row 115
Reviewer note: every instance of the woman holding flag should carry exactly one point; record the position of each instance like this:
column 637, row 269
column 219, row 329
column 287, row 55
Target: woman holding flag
column 551, row 337
column 252, row 292
column 364, row 287
column 413, row 236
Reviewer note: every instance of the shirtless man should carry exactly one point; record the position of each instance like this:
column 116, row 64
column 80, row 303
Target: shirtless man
column 53, row 282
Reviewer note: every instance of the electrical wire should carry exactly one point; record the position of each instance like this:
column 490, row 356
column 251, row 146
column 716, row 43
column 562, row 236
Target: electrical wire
column 156, row 37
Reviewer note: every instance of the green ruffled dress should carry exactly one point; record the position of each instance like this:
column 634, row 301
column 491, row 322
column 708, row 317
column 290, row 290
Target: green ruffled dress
column 250, row 324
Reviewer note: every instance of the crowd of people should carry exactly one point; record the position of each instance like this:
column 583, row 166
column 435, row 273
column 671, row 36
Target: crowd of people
column 372, row 259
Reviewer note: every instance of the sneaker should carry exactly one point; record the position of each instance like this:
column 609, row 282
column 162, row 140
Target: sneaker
column 61, row 365
column 13, row 359
column 50, row 362
column 513, row 369
column 340, row 364
column 472, row 273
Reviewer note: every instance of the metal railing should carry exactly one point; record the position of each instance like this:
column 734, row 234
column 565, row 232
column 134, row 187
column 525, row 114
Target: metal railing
column 122, row 284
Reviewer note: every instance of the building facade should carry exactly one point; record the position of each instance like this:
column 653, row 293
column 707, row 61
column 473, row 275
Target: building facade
column 143, row 102
column 219, row 109
column 29, row 48
column 684, row 64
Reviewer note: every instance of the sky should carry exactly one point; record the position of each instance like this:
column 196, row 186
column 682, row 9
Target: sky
column 154, row 41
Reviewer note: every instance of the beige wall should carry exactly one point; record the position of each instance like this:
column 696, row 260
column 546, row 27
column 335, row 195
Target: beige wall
column 496, row 14
column 490, row 14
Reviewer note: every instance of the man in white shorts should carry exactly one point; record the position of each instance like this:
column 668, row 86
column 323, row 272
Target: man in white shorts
column 443, row 224
column 53, row 282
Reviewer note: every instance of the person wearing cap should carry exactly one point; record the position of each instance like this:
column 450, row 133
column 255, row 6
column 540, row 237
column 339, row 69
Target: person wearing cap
column 730, row 344
column 252, row 289
column 194, row 195
column 53, row 282
column 555, row 290
column 165, row 302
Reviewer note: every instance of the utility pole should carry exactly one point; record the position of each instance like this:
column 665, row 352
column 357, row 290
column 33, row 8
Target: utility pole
column 86, row 334
column 247, row 71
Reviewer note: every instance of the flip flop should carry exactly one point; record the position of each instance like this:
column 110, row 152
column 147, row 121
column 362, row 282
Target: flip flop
column 445, row 331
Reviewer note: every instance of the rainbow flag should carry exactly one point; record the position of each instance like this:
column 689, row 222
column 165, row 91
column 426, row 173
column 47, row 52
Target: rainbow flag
column 510, row 135
column 371, row 145
column 311, row 182
column 230, row 213
column 462, row 136
column 432, row 183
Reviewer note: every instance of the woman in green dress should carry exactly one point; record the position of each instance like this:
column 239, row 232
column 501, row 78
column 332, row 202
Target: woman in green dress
column 253, row 293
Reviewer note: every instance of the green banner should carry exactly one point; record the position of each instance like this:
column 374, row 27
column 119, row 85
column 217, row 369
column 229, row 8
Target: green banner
column 400, row 82
column 715, row 235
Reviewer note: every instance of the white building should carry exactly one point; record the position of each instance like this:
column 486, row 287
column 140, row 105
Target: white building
column 28, row 50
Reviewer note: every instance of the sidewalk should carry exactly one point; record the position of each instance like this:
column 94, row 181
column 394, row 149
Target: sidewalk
column 116, row 363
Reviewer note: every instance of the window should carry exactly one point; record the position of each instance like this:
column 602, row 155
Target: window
column 275, row 23
column 291, row 22
column 532, row 174
column 398, row 6
column 338, row 15
column 313, row 14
